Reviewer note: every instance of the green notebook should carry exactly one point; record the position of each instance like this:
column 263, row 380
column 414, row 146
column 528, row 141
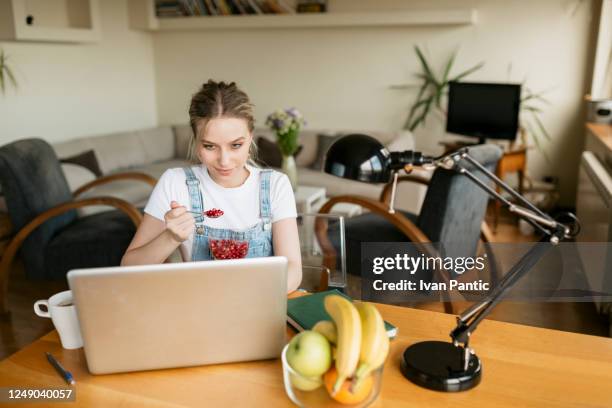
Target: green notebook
column 305, row 311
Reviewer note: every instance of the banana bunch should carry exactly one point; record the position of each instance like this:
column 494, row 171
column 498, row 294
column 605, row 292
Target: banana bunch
column 348, row 331
column 374, row 342
column 360, row 339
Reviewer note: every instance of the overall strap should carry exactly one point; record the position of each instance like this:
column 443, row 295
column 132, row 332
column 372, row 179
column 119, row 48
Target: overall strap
column 195, row 195
column 264, row 197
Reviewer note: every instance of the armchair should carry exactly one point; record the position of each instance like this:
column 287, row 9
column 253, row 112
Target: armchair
column 452, row 214
column 51, row 238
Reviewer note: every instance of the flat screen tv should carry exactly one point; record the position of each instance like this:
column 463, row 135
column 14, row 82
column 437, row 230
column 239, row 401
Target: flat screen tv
column 485, row 111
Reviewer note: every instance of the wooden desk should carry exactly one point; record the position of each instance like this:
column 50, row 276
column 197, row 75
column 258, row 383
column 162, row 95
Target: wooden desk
column 522, row 367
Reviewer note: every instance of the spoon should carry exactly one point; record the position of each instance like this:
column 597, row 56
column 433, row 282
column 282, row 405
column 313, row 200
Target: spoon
column 212, row 213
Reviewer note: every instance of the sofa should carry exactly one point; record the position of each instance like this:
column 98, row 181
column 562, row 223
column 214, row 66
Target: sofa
column 154, row 150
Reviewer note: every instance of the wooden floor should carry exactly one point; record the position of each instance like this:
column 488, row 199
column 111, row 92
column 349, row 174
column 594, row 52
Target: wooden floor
column 23, row 327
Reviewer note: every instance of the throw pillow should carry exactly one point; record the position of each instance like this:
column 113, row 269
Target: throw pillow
column 404, row 141
column 323, row 144
column 76, row 175
column 268, row 153
column 86, row 159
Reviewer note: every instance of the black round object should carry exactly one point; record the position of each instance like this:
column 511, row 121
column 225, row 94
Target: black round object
column 358, row 157
column 437, row 365
column 29, row 19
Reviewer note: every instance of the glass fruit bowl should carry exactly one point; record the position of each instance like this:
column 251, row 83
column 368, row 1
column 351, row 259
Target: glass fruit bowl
column 312, row 392
column 228, row 248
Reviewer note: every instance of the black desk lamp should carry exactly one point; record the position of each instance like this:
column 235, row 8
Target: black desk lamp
column 437, row 365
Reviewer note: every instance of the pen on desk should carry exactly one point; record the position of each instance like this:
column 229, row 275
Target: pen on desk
column 61, row 370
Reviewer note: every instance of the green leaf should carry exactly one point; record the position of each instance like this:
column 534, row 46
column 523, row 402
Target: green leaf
column 439, row 93
column 534, row 135
column 541, row 126
column 418, row 103
column 2, row 71
column 414, row 109
column 468, row 72
column 448, row 67
column 531, row 108
column 422, row 89
column 11, row 77
column 536, row 140
column 531, row 96
column 421, row 118
column 428, row 71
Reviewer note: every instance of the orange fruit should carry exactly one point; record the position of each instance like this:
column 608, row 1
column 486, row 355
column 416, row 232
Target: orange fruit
column 345, row 395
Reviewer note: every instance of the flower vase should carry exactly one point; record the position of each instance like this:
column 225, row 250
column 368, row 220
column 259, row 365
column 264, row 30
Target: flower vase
column 288, row 167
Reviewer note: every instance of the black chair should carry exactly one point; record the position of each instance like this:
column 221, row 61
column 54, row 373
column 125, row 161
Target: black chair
column 452, row 214
column 52, row 239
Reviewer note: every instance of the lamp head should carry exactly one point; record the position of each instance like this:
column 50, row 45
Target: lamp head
column 358, row 157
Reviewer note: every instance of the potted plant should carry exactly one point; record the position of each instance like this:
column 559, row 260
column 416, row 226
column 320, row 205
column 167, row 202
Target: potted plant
column 530, row 124
column 286, row 124
column 432, row 89
column 6, row 73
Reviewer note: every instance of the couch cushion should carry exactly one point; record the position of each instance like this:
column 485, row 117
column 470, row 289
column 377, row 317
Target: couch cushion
column 307, row 139
column 182, row 140
column 158, row 143
column 384, row 137
column 72, row 147
column 157, row 169
column 269, row 154
column 336, row 186
column 133, row 191
column 324, row 143
column 409, row 196
column 118, row 151
column 85, row 159
column 402, row 142
column 76, row 175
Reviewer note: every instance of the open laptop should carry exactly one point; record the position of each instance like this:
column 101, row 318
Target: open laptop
column 184, row 314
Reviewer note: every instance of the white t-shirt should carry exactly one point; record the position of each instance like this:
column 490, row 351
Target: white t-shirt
column 240, row 205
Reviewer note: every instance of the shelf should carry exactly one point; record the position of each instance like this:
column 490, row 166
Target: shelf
column 380, row 19
column 73, row 22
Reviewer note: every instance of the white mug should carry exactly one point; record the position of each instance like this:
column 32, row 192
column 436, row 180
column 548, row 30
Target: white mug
column 61, row 310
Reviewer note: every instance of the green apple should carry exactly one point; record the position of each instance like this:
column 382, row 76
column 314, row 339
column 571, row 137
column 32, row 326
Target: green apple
column 305, row 383
column 309, row 354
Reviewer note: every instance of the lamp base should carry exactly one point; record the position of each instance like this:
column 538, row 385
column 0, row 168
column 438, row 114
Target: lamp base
column 437, row 365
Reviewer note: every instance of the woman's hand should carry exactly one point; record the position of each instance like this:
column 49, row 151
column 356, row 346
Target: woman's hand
column 179, row 222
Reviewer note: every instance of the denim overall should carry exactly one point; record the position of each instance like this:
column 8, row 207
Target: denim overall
column 259, row 236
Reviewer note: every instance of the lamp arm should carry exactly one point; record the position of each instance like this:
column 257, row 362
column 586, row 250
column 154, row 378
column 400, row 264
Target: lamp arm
column 553, row 232
column 496, row 195
column 464, row 154
column 530, row 213
column 468, row 321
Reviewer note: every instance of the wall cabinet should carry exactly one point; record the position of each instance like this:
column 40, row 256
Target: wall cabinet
column 142, row 17
column 49, row 20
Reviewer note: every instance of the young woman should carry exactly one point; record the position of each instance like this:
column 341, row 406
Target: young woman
column 258, row 205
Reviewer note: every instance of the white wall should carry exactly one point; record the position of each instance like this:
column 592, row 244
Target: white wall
column 601, row 87
column 73, row 90
column 340, row 77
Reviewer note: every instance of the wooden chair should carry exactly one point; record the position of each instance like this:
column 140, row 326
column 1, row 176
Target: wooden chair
column 50, row 235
